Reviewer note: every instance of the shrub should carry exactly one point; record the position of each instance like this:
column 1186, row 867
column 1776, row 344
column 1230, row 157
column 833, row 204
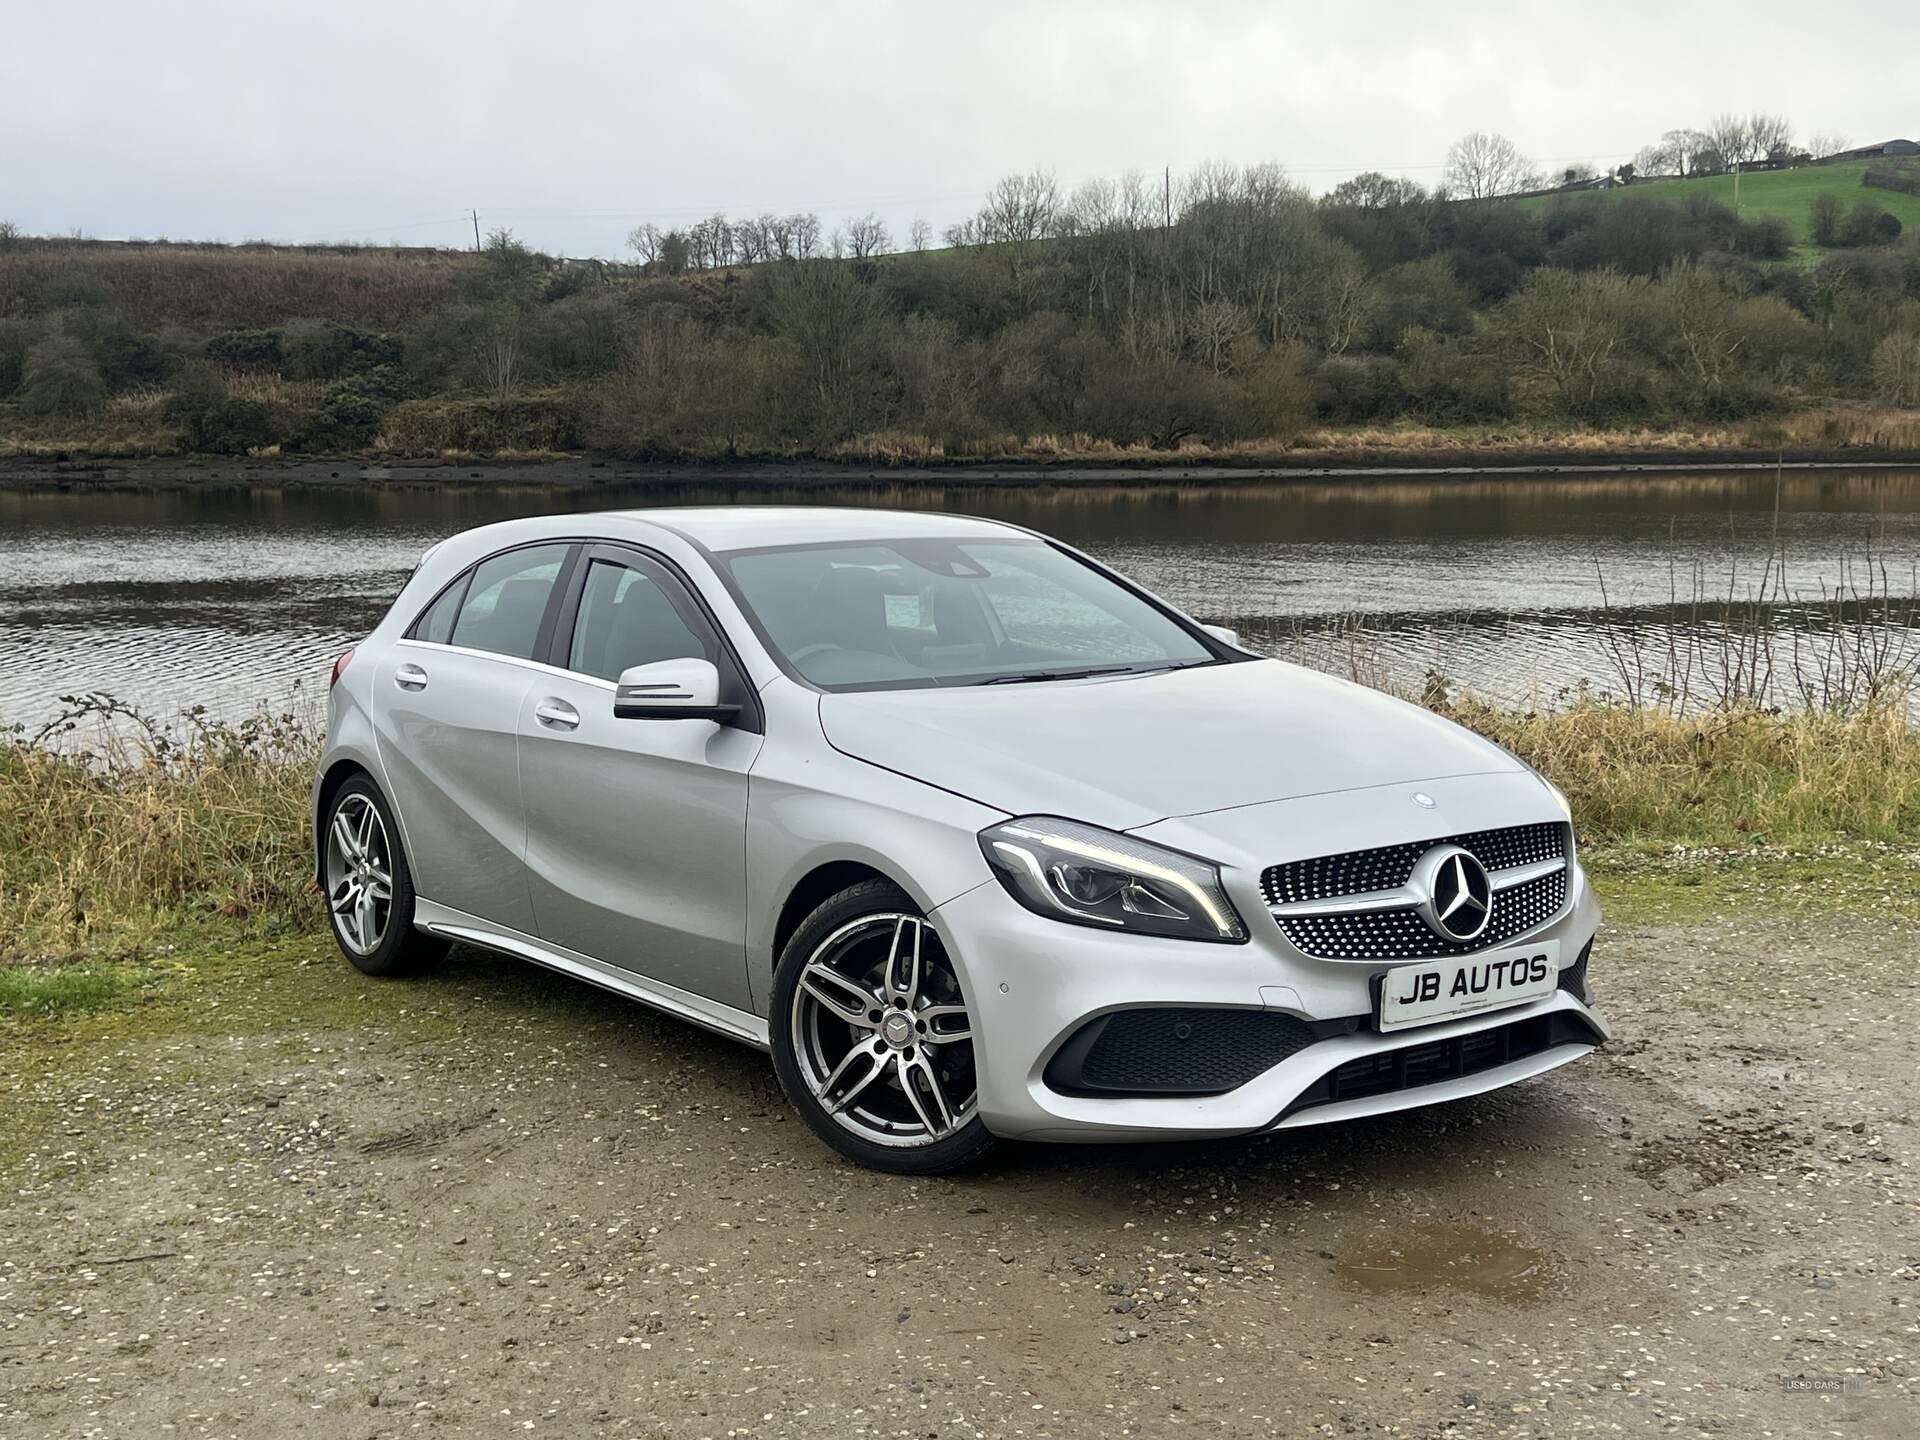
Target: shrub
column 1447, row 384
column 1823, row 219
column 61, row 378
column 526, row 422
column 245, row 347
column 1424, row 294
column 16, row 338
column 321, row 349
column 1768, row 238
column 1900, row 175
column 1356, row 388
column 214, row 421
column 351, row 412
column 1868, row 224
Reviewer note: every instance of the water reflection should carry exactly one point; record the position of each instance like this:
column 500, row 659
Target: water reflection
column 229, row 597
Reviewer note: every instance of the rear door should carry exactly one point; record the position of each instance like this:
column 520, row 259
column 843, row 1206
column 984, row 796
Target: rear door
column 636, row 829
column 449, row 703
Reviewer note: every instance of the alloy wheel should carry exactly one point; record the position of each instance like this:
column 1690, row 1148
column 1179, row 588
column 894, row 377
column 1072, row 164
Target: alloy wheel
column 881, row 1032
column 359, row 874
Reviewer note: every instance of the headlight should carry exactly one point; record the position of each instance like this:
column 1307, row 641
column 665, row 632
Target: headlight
column 1089, row 876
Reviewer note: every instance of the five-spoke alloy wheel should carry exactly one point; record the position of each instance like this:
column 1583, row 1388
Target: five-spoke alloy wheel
column 369, row 890
column 871, row 1035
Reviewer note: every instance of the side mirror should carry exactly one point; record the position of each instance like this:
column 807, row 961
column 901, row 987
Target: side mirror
column 1223, row 633
column 671, row 690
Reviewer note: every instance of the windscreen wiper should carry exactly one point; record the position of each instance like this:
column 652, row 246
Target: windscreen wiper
column 1027, row 675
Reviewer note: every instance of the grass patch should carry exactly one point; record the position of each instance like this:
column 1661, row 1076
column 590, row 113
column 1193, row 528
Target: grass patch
column 1688, row 884
column 1778, row 194
column 33, row 992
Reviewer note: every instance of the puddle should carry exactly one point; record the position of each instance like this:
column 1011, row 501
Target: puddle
column 1453, row 1257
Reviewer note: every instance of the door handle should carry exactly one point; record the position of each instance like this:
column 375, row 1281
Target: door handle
column 410, row 677
column 556, row 714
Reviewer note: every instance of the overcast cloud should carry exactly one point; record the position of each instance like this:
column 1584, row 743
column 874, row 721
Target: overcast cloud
column 385, row 119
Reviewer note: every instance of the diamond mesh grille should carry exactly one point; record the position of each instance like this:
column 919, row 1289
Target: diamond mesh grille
column 1358, row 871
column 1402, row 934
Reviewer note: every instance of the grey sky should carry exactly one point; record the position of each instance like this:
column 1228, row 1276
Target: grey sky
column 357, row 119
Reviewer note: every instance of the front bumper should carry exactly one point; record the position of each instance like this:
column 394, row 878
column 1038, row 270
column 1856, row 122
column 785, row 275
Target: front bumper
column 1032, row 982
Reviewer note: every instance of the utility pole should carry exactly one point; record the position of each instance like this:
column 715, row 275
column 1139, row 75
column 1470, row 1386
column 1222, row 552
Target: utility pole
column 1166, row 196
column 476, row 230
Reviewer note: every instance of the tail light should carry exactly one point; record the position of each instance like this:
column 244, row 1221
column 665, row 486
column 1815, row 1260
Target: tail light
column 339, row 669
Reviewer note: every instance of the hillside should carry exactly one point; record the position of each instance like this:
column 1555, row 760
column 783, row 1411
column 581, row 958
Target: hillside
column 1261, row 320
column 1782, row 194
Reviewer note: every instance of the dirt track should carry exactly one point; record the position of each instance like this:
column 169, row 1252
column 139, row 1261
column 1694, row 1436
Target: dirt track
column 494, row 1203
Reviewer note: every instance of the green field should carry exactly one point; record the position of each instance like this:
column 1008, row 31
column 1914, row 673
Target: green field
column 1787, row 194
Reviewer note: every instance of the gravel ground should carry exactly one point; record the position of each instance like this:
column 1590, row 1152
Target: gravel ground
column 494, row 1203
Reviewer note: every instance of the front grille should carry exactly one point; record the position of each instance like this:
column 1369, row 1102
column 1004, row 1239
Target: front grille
column 1181, row 1051
column 1402, row 934
column 1412, row 1066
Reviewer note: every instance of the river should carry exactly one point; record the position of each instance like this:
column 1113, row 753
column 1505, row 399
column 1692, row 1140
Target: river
column 1521, row 587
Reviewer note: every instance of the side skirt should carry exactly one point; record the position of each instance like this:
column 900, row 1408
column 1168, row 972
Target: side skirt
column 683, row 1004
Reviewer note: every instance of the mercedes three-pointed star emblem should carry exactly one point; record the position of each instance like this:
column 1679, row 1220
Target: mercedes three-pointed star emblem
column 1456, row 894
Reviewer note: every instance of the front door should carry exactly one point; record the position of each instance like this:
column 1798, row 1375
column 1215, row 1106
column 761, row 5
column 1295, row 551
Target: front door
column 636, row 829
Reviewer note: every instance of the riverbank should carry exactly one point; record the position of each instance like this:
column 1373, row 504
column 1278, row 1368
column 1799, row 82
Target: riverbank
column 577, row 472
column 1819, row 439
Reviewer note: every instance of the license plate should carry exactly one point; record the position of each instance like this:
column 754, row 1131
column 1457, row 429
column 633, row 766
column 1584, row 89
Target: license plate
column 1435, row 990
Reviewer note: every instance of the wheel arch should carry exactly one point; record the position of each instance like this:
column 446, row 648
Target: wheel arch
column 336, row 773
column 815, row 888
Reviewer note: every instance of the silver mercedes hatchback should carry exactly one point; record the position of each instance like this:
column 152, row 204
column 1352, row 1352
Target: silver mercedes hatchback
column 976, row 837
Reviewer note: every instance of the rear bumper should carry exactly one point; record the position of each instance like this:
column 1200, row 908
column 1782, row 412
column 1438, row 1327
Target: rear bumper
column 1032, row 983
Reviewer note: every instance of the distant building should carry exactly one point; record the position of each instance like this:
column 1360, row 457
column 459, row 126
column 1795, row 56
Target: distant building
column 1880, row 151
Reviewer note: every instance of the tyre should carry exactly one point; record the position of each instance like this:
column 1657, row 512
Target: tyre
column 871, row 1036
column 369, row 890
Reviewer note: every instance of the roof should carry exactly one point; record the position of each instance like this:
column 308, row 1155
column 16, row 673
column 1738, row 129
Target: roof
column 741, row 527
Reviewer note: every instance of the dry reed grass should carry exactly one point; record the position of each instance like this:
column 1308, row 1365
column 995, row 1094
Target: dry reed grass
column 132, row 847
column 122, row 845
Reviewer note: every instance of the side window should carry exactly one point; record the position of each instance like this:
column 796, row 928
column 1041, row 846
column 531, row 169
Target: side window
column 506, row 599
column 628, row 616
column 436, row 623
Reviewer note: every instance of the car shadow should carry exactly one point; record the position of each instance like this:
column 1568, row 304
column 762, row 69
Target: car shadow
column 1429, row 1147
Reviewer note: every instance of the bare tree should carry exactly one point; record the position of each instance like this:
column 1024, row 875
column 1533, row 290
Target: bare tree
column 919, row 234
column 868, row 236
column 806, row 235
column 499, row 356
column 1727, row 134
column 1020, row 208
column 1481, row 166
column 711, row 242
column 644, row 241
column 1769, row 137
column 750, row 241
column 9, row 233
column 1375, row 191
column 1827, row 142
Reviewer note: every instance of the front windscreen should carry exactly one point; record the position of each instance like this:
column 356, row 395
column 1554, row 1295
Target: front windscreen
column 899, row 613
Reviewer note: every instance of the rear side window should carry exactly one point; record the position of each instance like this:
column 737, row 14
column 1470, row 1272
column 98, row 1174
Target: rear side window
column 506, row 599
column 436, row 624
